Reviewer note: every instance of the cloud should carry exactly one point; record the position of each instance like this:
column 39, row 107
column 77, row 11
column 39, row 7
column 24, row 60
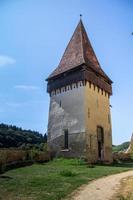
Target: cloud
column 6, row 60
column 26, row 87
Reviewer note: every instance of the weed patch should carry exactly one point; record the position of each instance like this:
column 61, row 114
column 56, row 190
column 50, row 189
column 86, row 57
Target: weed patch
column 67, row 173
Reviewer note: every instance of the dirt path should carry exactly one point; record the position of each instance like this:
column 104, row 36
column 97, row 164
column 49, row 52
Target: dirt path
column 101, row 189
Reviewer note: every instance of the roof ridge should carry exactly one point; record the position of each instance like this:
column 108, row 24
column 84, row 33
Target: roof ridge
column 82, row 39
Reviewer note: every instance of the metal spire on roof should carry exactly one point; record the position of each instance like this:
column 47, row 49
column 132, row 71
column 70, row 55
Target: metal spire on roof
column 81, row 16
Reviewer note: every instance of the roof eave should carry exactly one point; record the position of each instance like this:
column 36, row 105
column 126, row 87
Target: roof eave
column 67, row 71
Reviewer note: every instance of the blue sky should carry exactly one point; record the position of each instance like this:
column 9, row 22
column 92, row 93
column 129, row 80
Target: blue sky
column 33, row 37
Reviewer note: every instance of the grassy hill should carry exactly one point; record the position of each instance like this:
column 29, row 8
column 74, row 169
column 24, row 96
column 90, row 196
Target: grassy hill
column 12, row 136
column 121, row 147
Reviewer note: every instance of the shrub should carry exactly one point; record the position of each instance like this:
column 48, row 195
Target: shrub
column 128, row 197
column 3, row 160
column 90, row 166
column 67, row 173
column 81, row 161
column 122, row 157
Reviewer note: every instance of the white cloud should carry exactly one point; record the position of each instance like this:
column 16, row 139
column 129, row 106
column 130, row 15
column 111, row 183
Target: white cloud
column 26, row 87
column 6, row 60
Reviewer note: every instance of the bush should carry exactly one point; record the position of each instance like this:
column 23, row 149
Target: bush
column 90, row 166
column 122, row 157
column 81, row 161
column 128, row 197
column 3, row 161
column 67, row 173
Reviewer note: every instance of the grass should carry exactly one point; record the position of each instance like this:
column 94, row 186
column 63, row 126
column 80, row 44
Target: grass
column 125, row 191
column 51, row 181
column 128, row 197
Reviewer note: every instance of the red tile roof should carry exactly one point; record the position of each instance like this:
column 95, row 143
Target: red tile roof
column 79, row 51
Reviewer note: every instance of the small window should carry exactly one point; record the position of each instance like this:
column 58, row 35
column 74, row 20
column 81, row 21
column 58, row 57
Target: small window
column 66, row 139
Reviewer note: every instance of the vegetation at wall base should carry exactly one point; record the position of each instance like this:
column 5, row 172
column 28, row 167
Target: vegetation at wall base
column 14, row 158
column 122, row 147
column 47, row 182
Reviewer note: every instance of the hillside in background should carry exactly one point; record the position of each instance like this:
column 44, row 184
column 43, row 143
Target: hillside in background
column 12, row 136
column 122, row 147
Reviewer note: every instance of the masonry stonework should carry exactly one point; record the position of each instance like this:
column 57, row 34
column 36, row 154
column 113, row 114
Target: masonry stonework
column 97, row 113
column 79, row 114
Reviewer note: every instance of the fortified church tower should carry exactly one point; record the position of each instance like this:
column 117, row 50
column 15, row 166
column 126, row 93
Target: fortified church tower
column 79, row 114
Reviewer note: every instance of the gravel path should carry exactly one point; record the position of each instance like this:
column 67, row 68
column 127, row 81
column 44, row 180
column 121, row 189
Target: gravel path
column 101, row 189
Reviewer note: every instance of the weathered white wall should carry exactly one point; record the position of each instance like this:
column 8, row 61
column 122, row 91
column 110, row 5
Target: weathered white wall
column 70, row 115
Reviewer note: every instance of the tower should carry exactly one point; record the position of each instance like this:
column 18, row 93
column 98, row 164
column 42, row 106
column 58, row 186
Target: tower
column 79, row 114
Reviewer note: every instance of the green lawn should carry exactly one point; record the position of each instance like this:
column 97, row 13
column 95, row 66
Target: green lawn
column 52, row 181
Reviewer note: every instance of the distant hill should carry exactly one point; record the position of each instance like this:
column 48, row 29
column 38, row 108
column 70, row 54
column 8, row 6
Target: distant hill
column 12, row 136
column 122, row 147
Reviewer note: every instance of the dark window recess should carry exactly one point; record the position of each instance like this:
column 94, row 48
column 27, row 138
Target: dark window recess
column 99, row 149
column 66, row 139
column 60, row 103
column 100, row 138
column 100, row 134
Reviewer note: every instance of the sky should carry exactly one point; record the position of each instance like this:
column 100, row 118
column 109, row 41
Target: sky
column 33, row 37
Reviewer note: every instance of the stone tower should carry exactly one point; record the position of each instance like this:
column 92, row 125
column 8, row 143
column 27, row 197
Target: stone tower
column 130, row 148
column 79, row 114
